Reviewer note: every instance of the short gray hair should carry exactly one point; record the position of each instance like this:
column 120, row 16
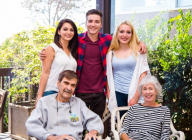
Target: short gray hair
column 153, row 80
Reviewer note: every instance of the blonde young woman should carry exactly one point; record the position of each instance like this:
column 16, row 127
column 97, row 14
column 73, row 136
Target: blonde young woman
column 125, row 68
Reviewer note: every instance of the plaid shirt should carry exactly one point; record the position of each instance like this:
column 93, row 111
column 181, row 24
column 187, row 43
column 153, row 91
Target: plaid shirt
column 104, row 43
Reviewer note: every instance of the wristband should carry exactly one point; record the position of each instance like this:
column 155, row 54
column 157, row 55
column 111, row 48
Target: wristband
column 135, row 98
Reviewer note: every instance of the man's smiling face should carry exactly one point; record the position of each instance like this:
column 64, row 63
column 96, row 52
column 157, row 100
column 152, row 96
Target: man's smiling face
column 66, row 88
column 93, row 24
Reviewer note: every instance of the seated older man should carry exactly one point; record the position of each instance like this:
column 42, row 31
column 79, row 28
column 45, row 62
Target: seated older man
column 61, row 116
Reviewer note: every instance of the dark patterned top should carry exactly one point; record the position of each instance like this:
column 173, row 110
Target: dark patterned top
column 147, row 123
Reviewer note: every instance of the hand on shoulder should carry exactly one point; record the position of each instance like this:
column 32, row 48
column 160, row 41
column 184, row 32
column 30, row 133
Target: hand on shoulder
column 142, row 47
column 42, row 54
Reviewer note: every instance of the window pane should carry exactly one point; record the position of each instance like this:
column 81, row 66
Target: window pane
column 165, row 27
column 184, row 3
column 140, row 5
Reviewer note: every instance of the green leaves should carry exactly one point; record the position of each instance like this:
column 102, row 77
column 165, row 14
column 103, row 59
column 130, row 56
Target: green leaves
column 169, row 56
column 171, row 61
column 21, row 52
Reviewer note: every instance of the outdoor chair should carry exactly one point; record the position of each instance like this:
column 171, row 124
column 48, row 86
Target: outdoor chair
column 116, row 123
column 3, row 97
column 105, row 117
column 33, row 138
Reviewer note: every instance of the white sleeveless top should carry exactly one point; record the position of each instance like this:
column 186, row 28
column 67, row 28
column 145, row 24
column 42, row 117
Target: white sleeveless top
column 60, row 63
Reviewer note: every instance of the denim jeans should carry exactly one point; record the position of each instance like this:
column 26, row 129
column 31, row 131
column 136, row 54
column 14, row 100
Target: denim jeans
column 49, row 93
column 122, row 100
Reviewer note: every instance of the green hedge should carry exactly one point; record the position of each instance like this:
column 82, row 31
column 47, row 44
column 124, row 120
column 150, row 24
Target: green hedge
column 170, row 59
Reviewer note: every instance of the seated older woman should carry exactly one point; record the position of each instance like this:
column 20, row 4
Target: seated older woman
column 150, row 120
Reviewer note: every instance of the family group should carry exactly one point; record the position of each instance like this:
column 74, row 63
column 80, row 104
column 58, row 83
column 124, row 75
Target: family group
column 81, row 71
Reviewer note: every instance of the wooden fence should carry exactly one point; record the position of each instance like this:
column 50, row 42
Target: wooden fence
column 5, row 77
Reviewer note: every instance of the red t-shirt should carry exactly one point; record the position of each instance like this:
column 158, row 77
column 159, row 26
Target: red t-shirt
column 91, row 79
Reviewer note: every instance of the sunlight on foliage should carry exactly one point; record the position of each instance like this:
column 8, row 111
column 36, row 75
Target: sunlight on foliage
column 21, row 52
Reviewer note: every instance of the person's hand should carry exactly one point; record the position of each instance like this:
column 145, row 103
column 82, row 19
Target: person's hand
column 61, row 137
column 91, row 134
column 108, row 94
column 142, row 47
column 132, row 101
column 125, row 137
column 38, row 97
column 42, row 54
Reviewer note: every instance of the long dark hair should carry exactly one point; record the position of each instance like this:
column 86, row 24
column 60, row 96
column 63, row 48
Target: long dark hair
column 73, row 42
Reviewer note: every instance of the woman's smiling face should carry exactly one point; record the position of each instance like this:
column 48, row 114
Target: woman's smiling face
column 66, row 32
column 124, row 34
column 149, row 93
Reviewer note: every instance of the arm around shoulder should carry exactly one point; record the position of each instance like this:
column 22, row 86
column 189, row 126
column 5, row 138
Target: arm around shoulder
column 142, row 47
column 46, row 67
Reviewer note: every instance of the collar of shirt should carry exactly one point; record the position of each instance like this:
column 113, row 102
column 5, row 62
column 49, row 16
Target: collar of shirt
column 84, row 35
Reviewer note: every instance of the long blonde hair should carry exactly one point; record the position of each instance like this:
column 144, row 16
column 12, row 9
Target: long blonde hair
column 133, row 43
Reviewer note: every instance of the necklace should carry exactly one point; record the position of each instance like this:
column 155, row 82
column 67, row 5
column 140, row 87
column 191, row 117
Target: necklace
column 62, row 124
column 58, row 107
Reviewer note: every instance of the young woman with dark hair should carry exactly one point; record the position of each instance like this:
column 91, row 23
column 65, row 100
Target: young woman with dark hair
column 60, row 55
column 73, row 42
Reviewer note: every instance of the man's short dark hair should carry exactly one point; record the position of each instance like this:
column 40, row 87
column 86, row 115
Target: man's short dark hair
column 94, row 11
column 69, row 74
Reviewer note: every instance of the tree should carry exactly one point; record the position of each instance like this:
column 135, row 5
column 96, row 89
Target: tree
column 170, row 60
column 21, row 52
column 51, row 11
column 175, row 62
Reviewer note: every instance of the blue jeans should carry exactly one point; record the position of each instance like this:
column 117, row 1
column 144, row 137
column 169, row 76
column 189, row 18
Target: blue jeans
column 49, row 93
column 122, row 100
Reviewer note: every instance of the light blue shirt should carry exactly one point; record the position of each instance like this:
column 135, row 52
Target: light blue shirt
column 123, row 71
